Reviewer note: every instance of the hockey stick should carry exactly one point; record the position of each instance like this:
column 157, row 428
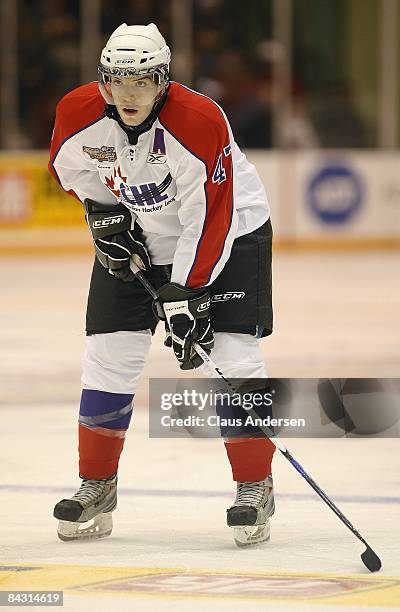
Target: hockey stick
column 368, row 557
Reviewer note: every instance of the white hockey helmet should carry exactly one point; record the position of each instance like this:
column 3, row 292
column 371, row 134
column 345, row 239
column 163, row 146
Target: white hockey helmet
column 135, row 51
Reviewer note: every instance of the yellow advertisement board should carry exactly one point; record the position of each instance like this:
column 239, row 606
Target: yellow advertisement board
column 31, row 198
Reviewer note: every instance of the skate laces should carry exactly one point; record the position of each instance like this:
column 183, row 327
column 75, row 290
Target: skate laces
column 91, row 490
column 250, row 493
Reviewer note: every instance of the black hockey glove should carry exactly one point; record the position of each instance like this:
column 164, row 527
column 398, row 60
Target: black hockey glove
column 186, row 313
column 117, row 238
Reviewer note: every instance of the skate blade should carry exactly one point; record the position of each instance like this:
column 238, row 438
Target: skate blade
column 248, row 535
column 101, row 527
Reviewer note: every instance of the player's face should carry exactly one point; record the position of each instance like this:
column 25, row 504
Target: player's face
column 134, row 97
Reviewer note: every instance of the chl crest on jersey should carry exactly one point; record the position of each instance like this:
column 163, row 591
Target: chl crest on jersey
column 101, row 153
column 139, row 196
column 158, row 154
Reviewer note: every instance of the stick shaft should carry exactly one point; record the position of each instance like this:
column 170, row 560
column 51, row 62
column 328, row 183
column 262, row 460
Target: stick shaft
column 141, row 277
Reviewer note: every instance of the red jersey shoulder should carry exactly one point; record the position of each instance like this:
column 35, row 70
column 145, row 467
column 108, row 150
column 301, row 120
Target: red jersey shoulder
column 195, row 120
column 79, row 108
column 199, row 106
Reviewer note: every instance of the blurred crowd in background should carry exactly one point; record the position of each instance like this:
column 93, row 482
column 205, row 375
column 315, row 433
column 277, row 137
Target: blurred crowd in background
column 332, row 103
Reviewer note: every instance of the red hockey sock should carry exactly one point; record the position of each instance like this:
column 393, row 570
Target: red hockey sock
column 250, row 458
column 99, row 451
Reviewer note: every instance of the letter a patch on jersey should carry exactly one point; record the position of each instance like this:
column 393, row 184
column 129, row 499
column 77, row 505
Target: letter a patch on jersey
column 158, row 154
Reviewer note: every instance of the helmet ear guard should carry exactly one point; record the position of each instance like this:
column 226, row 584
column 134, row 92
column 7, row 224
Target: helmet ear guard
column 105, row 90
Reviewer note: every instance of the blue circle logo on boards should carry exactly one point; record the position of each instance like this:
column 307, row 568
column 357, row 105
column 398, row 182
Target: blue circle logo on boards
column 335, row 194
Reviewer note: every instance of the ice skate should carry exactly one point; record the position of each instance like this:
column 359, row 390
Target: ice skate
column 96, row 499
column 249, row 516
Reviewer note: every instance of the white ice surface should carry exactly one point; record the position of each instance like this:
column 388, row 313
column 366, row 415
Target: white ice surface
column 335, row 315
column 173, row 496
column 173, row 493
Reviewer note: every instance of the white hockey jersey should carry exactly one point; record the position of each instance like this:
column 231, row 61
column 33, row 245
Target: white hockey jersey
column 192, row 189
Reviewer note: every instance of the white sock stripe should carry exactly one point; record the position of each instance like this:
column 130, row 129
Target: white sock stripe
column 108, row 416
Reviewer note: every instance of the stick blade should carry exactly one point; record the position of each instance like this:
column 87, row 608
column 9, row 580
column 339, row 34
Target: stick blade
column 371, row 560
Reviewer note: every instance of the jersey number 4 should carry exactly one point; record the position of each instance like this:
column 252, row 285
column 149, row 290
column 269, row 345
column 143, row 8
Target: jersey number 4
column 219, row 174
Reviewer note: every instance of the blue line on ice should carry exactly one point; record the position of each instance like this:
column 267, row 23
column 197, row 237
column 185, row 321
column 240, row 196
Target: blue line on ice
column 351, row 499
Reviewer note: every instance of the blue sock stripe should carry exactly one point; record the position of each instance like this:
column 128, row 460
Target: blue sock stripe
column 96, row 403
column 108, row 416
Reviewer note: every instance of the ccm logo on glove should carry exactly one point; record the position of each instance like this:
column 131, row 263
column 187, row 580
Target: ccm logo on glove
column 108, row 221
column 204, row 306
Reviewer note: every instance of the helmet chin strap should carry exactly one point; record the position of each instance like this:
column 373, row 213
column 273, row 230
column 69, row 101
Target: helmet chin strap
column 133, row 132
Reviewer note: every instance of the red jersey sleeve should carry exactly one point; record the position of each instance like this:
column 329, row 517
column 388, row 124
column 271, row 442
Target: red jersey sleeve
column 75, row 112
column 201, row 128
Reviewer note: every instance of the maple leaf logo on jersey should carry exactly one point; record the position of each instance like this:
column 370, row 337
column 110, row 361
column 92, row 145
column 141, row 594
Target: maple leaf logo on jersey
column 110, row 181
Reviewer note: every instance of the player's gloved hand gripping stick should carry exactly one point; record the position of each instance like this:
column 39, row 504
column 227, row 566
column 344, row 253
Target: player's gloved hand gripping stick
column 117, row 238
column 369, row 557
column 186, row 314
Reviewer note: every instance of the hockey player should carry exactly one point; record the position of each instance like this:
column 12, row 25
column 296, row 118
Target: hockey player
column 163, row 183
